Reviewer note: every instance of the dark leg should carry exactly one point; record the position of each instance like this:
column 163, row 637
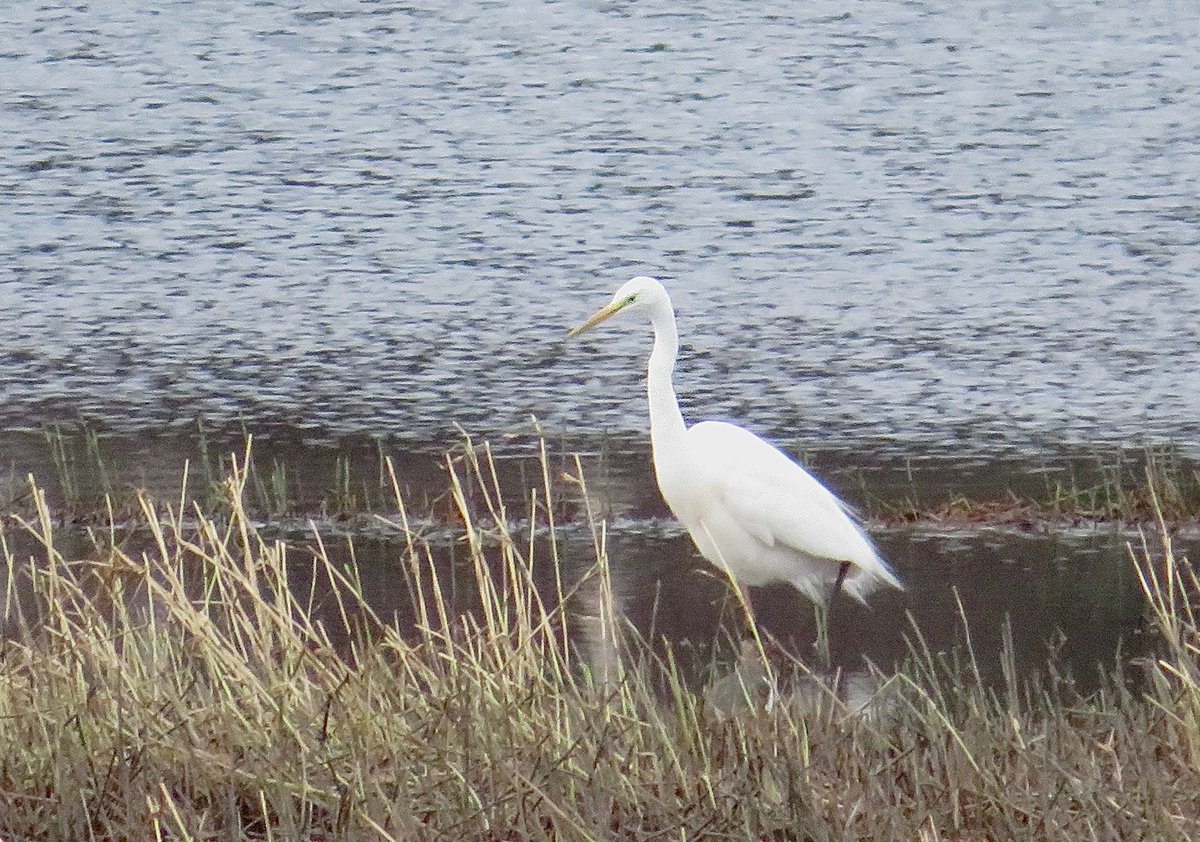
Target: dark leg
column 837, row 583
column 761, row 641
column 823, row 614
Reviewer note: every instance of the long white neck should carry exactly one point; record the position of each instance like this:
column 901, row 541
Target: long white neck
column 666, row 421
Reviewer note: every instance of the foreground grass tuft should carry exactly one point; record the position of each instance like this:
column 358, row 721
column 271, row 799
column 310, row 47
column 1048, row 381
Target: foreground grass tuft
column 166, row 681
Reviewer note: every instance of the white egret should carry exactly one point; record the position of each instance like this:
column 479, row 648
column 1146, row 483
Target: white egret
column 750, row 509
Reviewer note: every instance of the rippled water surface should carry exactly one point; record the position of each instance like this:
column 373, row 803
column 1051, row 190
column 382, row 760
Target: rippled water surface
column 912, row 224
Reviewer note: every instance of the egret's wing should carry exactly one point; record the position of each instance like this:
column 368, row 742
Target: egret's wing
column 776, row 500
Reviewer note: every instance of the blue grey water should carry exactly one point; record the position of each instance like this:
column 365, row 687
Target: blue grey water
column 916, row 224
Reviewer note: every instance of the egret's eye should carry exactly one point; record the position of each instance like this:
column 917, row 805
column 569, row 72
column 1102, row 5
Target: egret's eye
column 629, row 300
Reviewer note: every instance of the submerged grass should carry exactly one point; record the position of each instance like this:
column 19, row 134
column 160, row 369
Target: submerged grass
column 168, row 682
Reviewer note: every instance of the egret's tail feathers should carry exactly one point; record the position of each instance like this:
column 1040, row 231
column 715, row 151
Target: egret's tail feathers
column 863, row 581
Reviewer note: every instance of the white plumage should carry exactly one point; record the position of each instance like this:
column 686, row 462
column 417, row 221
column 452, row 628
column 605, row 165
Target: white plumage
column 749, row 508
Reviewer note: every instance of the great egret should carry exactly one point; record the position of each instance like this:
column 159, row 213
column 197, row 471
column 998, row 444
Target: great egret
column 750, row 509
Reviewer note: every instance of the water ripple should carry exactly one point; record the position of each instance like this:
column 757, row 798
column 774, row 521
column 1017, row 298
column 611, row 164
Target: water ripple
column 975, row 229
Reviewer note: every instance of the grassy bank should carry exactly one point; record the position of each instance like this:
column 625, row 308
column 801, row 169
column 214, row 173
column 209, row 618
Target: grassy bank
column 164, row 681
column 1122, row 488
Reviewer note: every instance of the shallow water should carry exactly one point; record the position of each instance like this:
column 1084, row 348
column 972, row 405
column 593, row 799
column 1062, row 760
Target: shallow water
column 898, row 228
column 1071, row 599
column 1064, row 594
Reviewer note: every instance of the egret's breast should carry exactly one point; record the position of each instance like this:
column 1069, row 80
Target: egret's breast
column 694, row 497
column 681, row 495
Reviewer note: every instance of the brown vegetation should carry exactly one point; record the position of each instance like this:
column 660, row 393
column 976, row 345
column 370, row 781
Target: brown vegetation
column 176, row 686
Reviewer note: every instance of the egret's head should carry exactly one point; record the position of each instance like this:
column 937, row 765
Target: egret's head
column 640, row 294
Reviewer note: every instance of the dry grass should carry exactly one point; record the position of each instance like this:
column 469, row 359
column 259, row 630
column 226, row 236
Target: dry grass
column 168, row 683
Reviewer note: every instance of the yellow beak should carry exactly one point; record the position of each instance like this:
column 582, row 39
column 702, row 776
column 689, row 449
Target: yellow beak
column 604, row 313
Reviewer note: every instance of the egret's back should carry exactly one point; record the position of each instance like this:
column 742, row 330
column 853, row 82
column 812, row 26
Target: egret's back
column 750, row 508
